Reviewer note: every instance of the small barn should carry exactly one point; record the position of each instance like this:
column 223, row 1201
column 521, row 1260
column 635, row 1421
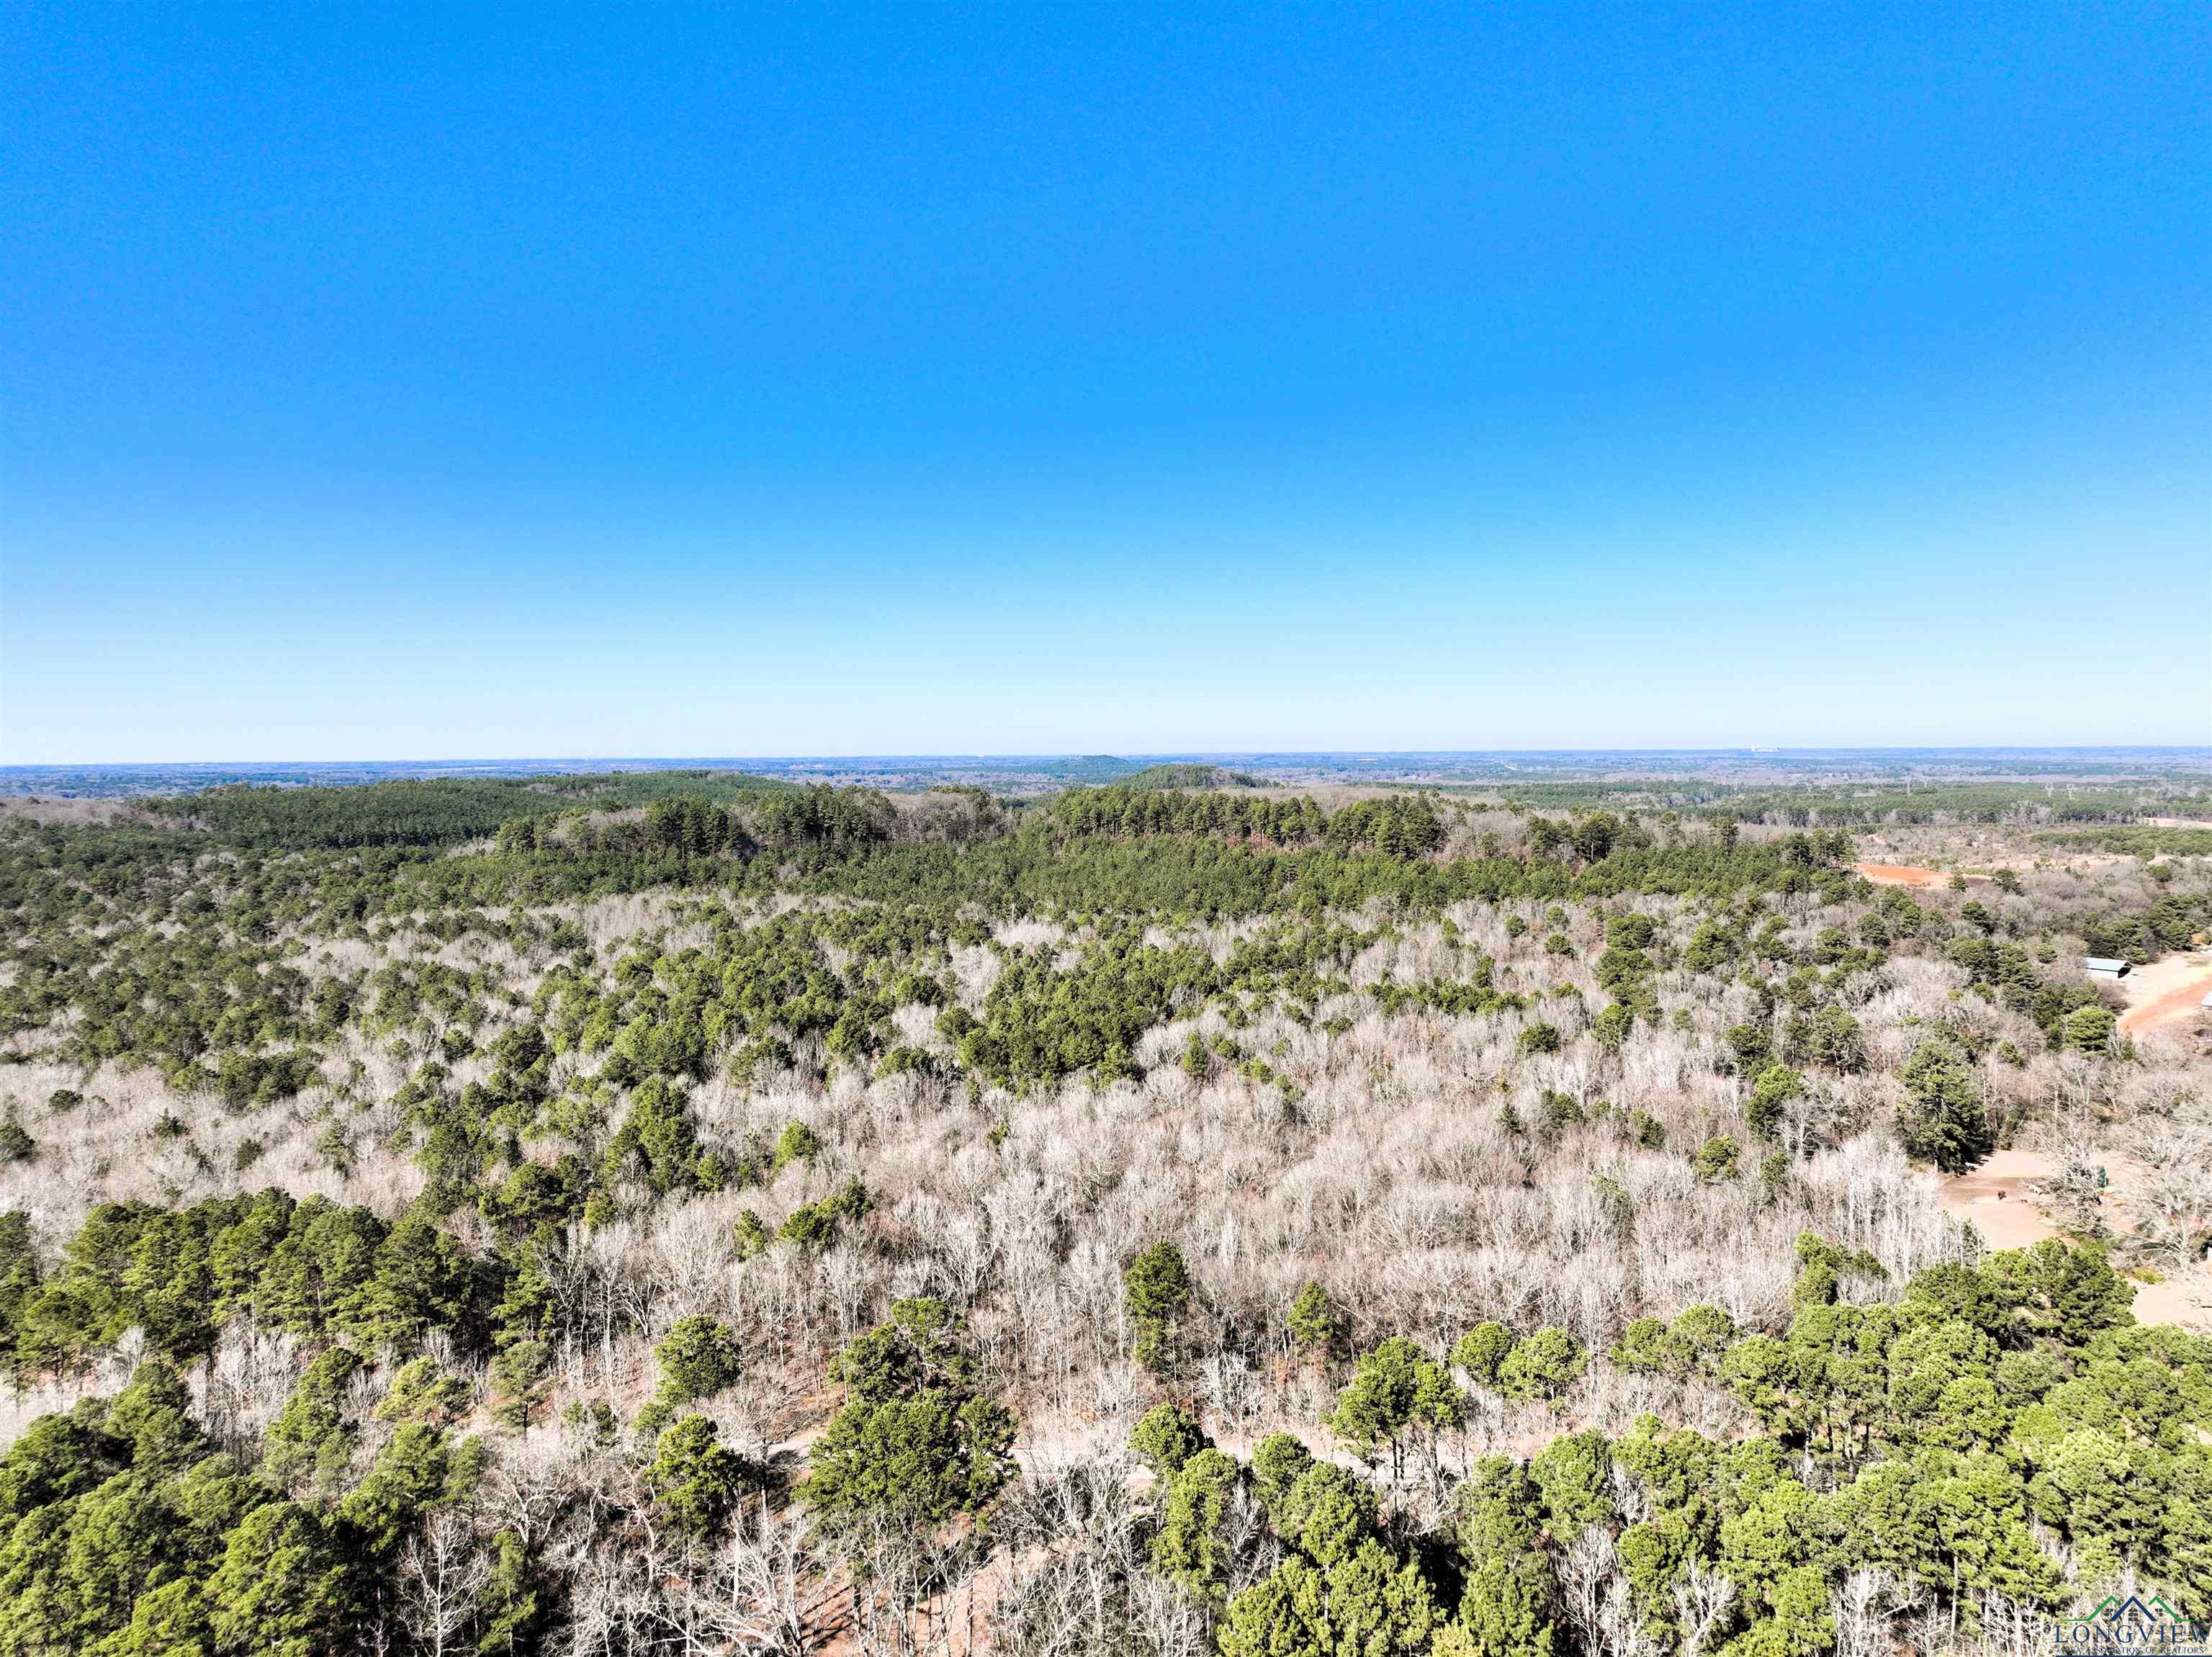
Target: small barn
column 2104, row 966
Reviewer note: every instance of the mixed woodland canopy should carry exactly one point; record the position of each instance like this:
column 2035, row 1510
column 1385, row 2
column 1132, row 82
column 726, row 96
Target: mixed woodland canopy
column 688, row 1211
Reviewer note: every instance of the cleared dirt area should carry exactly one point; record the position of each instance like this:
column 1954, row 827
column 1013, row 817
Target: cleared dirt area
column 1900, row 874
column 1997, row 1198
column 2166, row 994
column 2186, row 1300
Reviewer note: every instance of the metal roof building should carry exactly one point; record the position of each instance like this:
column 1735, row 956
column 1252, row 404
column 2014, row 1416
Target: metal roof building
column 2104, row 966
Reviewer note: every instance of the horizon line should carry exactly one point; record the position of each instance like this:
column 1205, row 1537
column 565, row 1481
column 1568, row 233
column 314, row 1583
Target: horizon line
column 1360, row 753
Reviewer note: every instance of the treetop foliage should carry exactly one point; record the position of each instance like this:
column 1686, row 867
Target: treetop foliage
column 729, row 1169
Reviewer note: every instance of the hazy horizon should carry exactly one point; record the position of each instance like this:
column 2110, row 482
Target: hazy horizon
column 1839, row 768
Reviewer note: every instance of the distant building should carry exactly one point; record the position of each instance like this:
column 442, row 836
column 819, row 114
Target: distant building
column 2104, row 966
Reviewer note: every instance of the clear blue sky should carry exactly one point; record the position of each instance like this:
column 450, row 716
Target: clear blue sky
column 432, row 382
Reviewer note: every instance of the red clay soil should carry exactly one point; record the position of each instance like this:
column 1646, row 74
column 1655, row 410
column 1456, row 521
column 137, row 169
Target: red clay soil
column 1900, row 874
column 2175, row 1006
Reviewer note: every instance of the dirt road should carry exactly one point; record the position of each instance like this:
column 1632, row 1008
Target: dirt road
column 2166, row 994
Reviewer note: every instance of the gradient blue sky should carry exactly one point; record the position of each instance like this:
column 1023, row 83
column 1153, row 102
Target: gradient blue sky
column 435, row 382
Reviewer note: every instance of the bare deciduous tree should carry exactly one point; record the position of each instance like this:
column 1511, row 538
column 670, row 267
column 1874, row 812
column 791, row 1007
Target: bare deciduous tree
column 442, row 1573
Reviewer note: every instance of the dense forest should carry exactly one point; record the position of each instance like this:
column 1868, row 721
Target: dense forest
column 683, row 1211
